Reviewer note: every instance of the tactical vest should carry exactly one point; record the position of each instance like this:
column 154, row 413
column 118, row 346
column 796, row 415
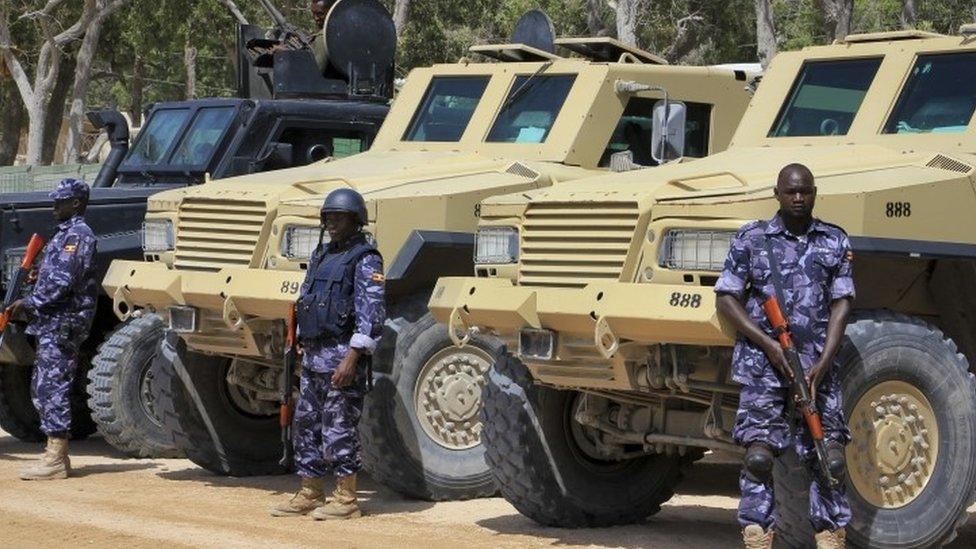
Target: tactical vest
column 327, row 310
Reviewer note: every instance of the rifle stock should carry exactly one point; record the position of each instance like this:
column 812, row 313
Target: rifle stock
column 287, row 409
column 802, row 393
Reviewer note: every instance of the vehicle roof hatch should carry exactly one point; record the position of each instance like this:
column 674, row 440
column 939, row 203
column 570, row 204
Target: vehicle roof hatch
column 910, row 34
column 514, row 53
column 608, row 50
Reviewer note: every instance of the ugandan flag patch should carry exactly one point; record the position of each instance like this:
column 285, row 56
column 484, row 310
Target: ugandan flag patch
column 379, row 278
column 850, row 255
column 70, row 248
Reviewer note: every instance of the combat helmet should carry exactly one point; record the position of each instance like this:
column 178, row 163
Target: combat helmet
column 346, row 200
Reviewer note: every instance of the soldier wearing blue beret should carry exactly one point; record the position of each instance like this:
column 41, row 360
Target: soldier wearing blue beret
column 61, row 307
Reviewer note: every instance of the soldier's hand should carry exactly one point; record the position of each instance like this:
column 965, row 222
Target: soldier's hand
column 777, row 357
column 345, row 373
column 816, row 376
column 16, row 309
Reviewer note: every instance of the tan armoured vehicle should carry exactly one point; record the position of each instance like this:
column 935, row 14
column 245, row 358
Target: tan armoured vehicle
column 618, row 372
column 455, row 135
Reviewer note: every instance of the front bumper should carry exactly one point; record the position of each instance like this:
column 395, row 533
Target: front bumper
column 600, row 325
column 229, row 299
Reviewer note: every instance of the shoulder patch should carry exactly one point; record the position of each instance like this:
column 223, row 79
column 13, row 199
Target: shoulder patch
column 70, row 248
column 850, row 255
column 378, row 277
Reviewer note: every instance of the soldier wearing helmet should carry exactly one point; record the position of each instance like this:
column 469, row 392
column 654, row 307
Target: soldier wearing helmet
column 340, row 312
column 61, row 308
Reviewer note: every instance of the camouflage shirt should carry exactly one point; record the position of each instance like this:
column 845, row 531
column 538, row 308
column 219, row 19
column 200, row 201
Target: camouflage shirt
column 65, row 292
column 370, row 304
column 816, row 270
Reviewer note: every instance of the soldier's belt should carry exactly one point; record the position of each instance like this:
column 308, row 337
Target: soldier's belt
column 234, row 292
column 607, row 313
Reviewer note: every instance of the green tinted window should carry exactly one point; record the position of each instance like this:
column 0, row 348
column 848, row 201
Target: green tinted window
column 156, row 137
column 205, row 132
column 825, row 98
column 939, row 96
column 530, row 109
column 635, row 127
column 446, row 109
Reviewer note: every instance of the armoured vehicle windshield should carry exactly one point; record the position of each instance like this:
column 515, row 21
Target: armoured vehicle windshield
column 163, row 142
column 938, row 97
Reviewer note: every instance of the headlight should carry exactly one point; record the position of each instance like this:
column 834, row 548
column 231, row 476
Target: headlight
column 157, row 235
column 299, row 241
column 496, row 245
column 11, row 263
column 691, row 250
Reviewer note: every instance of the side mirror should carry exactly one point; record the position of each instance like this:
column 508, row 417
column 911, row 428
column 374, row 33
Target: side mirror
column 668, row 134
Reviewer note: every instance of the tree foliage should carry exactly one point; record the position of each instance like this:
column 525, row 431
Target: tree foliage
column 143, row 47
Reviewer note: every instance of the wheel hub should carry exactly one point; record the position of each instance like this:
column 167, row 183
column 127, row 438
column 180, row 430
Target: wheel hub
column 146, row 399
column 448, row 396
column 895, row 444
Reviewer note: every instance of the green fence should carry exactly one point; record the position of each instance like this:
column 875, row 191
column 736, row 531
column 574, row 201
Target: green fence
column 19, row 179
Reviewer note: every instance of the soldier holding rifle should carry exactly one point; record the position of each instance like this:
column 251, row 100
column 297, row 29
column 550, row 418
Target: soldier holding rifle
column 61, row 308
column 340, row 314
column 800, row 266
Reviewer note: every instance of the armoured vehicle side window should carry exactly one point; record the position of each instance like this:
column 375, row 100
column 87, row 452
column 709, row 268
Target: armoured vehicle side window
column 633, row 131
column 156, row 137
column 939, row 96
column 205, row 132
column 447, row 108
column 825, row 98
column 313, row 144
column 530, row 109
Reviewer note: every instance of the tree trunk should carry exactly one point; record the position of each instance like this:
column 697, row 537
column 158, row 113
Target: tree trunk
column 627, row 21
column 909, row 16
column 136, row 86
column 82, row 77
column 11, row 123
column 594, row 18
column 401, row 14
column 54, row 118
column 837, row 17
column 35, row 132
column 765, row 32
column 190, row 61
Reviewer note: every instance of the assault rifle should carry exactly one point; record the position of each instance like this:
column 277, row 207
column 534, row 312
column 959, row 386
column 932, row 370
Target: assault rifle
column 16, row 286
column 287, row 410
column 291, row 35
column 801, row 390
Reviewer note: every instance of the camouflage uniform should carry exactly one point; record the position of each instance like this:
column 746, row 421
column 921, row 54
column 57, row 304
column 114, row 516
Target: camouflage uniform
column 816, row 270
column 326, row 417
column 62, row 305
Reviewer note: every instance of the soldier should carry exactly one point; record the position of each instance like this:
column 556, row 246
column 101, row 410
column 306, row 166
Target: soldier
column 340, row 313
column 814, row 259
column 61, row 306
column 320, row 9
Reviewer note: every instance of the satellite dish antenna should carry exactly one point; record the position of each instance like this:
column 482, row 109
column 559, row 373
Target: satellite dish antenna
column 535, row 29
column 360, row 40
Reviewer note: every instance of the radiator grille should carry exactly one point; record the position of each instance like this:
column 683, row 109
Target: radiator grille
column 945, row 163
column 572, row 244
column 213, row 234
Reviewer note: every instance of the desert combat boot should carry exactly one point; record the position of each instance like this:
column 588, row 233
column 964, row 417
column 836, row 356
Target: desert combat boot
column 754, row 537
column 308, row 498
column 342, row 504
column 831, row 540
column 54, row 464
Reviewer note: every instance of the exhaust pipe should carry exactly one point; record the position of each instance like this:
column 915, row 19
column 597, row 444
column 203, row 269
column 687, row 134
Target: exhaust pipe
column 118, row 137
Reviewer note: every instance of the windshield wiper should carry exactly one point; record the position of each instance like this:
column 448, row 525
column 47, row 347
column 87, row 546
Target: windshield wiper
column 521, row 90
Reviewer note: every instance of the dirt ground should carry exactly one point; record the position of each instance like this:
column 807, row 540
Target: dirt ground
column 116, row 502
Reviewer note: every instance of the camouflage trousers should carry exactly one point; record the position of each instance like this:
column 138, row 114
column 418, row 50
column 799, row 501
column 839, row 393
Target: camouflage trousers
column 762, row 418
column 54, row 373
column 325, row 427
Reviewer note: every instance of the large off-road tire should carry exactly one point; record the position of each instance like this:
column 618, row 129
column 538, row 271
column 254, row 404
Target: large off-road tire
column 911, row 406
column 420, row 430
column 532, row 446
column 17, row 414
column 120, row 390
column 207, row 424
